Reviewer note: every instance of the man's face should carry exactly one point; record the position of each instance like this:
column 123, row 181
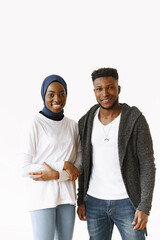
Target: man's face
column 106, row 90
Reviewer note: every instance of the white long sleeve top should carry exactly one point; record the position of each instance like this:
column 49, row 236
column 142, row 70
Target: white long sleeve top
column 52, row 142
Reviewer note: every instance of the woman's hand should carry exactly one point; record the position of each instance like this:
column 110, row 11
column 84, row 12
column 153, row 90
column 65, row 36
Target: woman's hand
column 71, row 170
column 45, row 175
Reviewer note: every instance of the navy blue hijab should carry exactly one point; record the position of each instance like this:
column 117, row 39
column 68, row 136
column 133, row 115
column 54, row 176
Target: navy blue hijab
column 45, row 111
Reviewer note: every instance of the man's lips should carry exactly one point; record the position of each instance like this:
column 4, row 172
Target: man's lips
column 106, row 100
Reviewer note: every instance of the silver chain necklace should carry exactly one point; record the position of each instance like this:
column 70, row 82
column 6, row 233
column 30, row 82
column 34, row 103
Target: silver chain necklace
column 107, row 134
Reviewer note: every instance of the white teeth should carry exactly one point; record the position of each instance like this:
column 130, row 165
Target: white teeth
column 56, row 106
column 106, row 100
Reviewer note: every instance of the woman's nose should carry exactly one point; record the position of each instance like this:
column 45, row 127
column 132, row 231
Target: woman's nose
column 56, row 98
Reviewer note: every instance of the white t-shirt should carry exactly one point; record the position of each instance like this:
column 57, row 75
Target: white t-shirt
column 106, row 180
column 52, row 142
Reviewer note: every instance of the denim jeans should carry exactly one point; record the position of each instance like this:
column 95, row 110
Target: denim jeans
column 103, row 214
column 53, row 223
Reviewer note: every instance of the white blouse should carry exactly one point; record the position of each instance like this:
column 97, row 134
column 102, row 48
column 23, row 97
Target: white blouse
column 52, row 142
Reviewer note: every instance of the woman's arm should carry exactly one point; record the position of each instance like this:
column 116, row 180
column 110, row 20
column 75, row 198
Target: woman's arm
column 40, row 172
column 70, row 171
column 62, row 171
column 27, row 165
column 74, row 170
column 28, row 142
column 45, row 175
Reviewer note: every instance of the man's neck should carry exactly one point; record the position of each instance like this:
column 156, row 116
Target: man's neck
column 108, row 115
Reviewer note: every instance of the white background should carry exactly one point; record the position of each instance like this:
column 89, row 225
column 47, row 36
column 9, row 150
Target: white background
column 72, row 38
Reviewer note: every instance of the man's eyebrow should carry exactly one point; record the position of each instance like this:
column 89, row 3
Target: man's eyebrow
column 105, row 85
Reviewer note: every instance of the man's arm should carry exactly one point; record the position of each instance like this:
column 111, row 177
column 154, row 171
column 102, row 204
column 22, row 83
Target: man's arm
column 81, row 211
column 147, row 173
column 140, row 220
column 147, row 166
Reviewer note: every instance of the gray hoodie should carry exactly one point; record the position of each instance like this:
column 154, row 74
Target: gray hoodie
column 135, row 155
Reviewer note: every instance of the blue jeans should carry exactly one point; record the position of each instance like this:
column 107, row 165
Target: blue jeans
column 53, row 223
column 103, row 214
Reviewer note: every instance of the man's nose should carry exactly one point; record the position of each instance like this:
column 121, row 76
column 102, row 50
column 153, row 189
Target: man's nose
column 105, row 92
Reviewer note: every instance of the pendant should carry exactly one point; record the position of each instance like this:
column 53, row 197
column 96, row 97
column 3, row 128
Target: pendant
column 106, row 139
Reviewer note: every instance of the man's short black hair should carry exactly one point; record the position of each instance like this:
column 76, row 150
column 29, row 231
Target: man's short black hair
column 104, row 72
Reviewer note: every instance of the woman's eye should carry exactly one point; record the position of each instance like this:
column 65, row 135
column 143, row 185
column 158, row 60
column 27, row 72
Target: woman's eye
column 51, row 95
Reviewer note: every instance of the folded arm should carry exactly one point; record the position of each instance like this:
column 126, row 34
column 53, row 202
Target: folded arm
column 62, row 171
column 39, row 172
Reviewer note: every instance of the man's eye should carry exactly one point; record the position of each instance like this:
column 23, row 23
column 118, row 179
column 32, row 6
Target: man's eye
column 99, row 89
column 62, row 95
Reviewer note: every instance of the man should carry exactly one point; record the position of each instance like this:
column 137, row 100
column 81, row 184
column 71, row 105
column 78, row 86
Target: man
column 117, row 183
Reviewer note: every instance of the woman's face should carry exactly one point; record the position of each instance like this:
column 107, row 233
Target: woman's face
column 55, row 98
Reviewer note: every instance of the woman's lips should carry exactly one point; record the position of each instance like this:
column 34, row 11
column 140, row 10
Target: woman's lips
column 56, row 106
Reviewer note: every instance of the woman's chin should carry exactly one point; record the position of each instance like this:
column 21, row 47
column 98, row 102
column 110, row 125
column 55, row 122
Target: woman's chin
column 56, row 110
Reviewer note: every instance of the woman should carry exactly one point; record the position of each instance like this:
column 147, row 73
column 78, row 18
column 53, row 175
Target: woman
column 52, row 160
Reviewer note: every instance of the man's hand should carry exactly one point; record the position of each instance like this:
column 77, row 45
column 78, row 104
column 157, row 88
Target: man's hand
column 81, row 211
column 47, row 174
column 71, row 170
column 140, row 220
